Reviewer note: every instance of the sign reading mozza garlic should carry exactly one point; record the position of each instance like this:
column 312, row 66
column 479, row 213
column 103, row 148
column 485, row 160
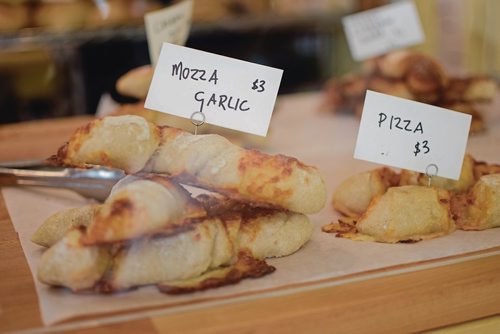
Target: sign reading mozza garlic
column 222, row 101
column 230, row 93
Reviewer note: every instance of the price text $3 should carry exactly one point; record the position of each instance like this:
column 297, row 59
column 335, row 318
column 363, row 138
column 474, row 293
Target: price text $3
column 424, row 149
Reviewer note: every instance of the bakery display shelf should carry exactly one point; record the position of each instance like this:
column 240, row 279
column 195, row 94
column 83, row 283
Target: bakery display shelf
column 321, row 22
column 40, row 36
column 26, row 36
column 406, row 297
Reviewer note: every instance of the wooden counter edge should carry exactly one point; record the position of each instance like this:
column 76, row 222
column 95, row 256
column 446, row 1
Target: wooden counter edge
column 407, row 302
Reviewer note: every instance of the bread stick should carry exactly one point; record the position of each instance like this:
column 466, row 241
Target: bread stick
column 207, row 161
column 148, row 256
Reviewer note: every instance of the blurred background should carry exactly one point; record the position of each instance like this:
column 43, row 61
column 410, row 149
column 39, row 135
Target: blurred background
column 58, row 57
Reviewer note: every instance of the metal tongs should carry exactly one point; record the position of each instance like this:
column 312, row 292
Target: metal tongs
column 92, row 183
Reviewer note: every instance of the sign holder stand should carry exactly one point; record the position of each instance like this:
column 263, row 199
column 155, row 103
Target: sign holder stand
column 197, row 122
column 430, row 174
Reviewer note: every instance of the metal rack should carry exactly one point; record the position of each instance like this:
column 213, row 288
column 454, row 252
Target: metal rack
column 26, row 36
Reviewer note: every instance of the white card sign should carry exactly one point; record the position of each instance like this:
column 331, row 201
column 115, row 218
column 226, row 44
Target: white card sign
column 376, row 31
column 171, row 25
column 412, row 135
column 230, row 93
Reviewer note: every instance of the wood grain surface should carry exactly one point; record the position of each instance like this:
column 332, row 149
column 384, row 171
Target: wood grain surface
column 36, row 139
column 400, row 302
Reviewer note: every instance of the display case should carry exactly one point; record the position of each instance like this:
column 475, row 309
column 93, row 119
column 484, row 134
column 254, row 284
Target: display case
column 209, row 229
column 81, row 62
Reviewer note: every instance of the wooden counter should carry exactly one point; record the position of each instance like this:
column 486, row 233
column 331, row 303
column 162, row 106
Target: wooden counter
column 403, row 299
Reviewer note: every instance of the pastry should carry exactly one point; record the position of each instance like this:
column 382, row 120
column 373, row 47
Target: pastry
column 401, row 214
column 147, row 206
column 212, row 244
column 68, row 263
column 479, row 208
column 136, row 82
column 395, row 64
column 14, row 15
column 61, row 15
column 213, row 163
column 207, row 161
column 390, row 87
column 56, row 226
column 483, row 168
column 104, row 142
column 470, row 89
column 245, row 266
column 227, row 236
column 163, row 119
column 465, row 181
column 355, row 193
column 151, row 231
column 109, row 13
column 405, row 214
column 415, row 76
column 385, row 206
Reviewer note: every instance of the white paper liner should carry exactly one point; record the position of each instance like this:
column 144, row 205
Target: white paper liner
column 322, row 140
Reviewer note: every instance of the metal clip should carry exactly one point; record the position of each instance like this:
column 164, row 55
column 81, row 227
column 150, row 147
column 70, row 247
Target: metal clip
column 197, row 122
column 429, row 174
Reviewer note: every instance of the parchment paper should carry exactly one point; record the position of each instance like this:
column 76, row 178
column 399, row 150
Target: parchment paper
column 298, row 129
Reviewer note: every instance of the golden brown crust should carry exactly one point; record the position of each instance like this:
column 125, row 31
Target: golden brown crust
column 395, row 65
column 470, row 89
column 227, row 208
column 390, row 86
column 178, row 259
column 474, row 204
column 479, row 208
column 163, row 119
column 465, row 181
column 137, row 243
column 136, row 109
column 214, row 163
column 345, row 93
column 354, row 194
column 150, row 206
column 206, row 161
column 402, row 214
column 414, row 76
column 103, row 142
column 425, row 75
column 407, row 213
column 14, row 16
column 58, row 224
column 482, row 168
column 421, row 73
column 246, row 266
column 342, row 227
column 136, row 82
column 68, row 263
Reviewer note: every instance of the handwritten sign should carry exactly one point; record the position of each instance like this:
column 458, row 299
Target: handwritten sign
column 230, row 93
column 171, row 25
column 412, row 135
column 382, row 29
